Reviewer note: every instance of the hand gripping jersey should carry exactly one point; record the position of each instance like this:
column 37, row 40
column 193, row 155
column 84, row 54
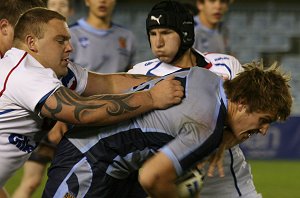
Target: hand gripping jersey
column 186, row 133
column 25, row 84
column 238, row 180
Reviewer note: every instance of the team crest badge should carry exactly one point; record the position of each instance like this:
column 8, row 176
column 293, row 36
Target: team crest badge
column 122, row 42
column 84, row 41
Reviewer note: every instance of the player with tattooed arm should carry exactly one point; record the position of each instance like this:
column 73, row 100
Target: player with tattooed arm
column 32, row 78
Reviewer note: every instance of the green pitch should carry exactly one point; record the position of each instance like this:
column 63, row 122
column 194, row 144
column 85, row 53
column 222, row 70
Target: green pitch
column 274, row 179
column 277, row 179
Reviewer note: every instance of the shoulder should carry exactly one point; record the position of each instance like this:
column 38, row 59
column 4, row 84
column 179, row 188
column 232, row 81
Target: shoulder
column 74, row 25
column 218, row 57
column 121, row 28
column 144, row 67
column 224, row 63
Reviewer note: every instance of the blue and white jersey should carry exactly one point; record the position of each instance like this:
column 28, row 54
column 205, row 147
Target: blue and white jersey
column 104, row 51
column 186, row 133
column 24, row 84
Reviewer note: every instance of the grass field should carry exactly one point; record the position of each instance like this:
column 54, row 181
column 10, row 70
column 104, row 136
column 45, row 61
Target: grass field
column 274, row 179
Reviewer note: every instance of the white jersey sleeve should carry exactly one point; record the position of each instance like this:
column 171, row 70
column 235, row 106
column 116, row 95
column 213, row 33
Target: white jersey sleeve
column 153, row 67
column 28, row 85
column 224, row 65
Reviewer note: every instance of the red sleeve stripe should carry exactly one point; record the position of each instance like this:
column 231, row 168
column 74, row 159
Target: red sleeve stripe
column 5, row 82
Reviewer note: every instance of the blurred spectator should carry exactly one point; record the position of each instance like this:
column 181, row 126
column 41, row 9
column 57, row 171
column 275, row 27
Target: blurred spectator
column 64, row 7
column 99, row 44
column 210, row 33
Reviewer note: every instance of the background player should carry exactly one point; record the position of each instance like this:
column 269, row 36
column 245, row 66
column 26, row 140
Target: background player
column 64, row 7
column 210, row 33
column 99, row 44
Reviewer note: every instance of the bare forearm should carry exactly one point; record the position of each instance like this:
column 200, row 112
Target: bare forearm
column 163, row 191
column 157, row 176
column 113, row 83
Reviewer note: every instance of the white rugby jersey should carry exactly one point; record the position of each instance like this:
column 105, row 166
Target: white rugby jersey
column 104, row 51
column 223, row 65
column 24, row 83
column 238, row 180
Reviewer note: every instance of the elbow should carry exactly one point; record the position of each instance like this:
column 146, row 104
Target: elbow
column 146, row 181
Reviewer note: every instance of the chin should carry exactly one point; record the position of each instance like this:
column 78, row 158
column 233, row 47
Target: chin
column 164, row 59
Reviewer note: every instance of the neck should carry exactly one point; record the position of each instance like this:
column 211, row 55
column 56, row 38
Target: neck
column 99, row 23
column 187, row 60
column 206, row 23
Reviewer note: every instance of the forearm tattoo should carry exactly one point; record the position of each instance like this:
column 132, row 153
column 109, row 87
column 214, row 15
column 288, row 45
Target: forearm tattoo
column 140, row 76
column 114, row 105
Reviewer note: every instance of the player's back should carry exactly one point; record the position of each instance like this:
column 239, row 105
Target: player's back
column 202, row 109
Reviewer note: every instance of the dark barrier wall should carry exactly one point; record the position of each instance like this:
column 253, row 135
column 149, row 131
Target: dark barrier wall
column 281, row 142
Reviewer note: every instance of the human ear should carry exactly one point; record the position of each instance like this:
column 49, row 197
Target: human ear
column 30, row 41
column 4, row 27
column 241, row 107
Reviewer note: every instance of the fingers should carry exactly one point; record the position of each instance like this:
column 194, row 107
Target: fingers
column 221, row 168
column 211, row 167
column 167, row 92
column 216, row 160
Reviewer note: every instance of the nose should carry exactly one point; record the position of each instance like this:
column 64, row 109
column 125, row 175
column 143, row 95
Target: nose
column 218, row 4
column 159, row 42
column 263, row 130
column 69, row 47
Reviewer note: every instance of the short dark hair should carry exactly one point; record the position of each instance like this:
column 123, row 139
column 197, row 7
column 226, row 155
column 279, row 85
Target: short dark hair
column 12, row 9
column 32, row 21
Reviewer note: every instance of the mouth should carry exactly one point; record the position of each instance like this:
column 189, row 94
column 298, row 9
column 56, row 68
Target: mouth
column 102, row 8
column 67, row 60
column 218, row 15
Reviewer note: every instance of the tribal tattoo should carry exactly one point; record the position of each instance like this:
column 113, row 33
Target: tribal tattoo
column 115, row 104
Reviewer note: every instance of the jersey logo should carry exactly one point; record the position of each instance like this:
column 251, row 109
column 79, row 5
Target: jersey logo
column 84, row 41
column 21, row 142
column 156, row 18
